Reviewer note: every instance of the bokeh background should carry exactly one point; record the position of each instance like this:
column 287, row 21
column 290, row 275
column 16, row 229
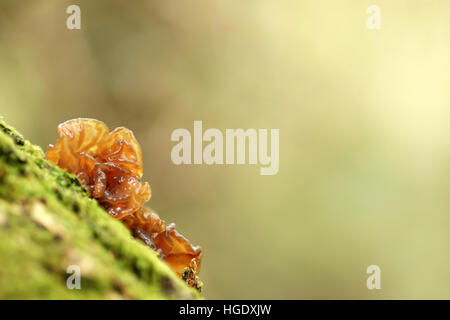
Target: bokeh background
column 363, row 118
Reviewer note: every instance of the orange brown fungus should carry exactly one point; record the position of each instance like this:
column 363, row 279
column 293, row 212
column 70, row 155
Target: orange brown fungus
column 109, row 164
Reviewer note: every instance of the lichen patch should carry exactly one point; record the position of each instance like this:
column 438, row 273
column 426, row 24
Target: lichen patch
column 40, row 216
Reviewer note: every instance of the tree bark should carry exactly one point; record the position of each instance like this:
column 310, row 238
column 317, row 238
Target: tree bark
column 50, row 228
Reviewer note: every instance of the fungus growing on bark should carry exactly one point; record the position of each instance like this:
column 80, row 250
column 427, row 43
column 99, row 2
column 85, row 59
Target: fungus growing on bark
column 109, row 164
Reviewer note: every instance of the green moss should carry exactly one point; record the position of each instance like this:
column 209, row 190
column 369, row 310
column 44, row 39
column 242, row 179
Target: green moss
column 48, row 222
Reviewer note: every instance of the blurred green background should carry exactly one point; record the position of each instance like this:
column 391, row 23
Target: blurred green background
column 363, row 116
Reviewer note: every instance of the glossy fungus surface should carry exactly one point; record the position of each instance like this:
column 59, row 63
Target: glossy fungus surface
column 109, row 164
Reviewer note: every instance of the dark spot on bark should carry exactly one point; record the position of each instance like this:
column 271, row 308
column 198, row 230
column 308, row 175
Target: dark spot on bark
column 167, row 285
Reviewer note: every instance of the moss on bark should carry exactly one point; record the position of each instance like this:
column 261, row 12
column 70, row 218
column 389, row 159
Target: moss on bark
column 48, row 222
